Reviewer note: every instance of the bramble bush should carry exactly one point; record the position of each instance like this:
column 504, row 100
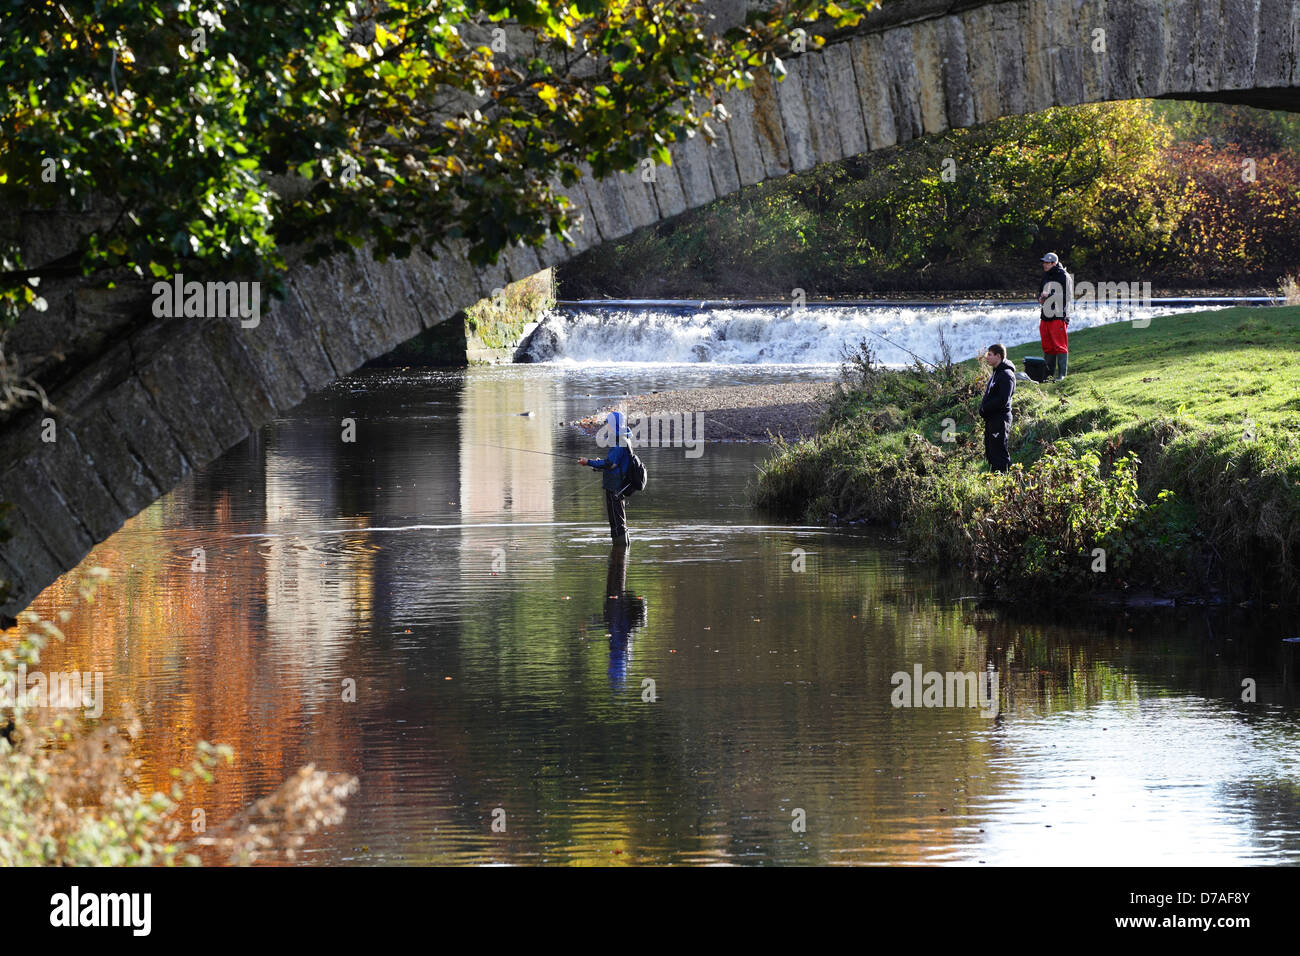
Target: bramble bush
column 1042, row 523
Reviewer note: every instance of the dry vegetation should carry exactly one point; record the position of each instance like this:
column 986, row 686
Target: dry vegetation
column 70, row 793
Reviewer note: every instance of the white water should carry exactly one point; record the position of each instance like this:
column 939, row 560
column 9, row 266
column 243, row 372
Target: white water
column 816, row 335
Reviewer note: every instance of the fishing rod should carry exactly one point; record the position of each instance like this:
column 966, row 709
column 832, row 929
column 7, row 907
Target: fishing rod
column 903, row 348
column 530, row 451
column 550, row 454
column 560, row 500
column 570, row 457
column 728, row 427
column 900, row 347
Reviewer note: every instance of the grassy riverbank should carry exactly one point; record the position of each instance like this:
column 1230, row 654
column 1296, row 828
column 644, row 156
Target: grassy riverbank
column 1207, row 405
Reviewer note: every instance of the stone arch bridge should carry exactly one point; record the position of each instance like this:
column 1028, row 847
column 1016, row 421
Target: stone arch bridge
column 142, row 401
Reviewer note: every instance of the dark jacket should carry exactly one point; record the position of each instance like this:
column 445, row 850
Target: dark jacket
column 997, row 393
column 614, row 465
column 1060, row 306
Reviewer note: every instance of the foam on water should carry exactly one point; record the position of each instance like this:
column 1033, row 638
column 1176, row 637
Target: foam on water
column 774, row 335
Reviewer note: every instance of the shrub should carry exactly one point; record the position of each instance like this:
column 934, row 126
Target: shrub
column 1164, row 544
column 1289, row 287
column 70, row 795
column 1043, row 523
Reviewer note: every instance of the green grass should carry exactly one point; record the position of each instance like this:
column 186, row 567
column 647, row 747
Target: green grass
column 1209, row 403
column 1218, row 367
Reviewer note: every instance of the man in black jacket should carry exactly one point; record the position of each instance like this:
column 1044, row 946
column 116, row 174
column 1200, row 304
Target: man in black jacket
column 995, row 408
column 1056, row 293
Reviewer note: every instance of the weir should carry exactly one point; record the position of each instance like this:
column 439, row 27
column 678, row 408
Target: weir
column 774, row 334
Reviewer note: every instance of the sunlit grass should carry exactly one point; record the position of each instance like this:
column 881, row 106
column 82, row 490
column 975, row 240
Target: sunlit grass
column 1209, row 402
column 1216, row 368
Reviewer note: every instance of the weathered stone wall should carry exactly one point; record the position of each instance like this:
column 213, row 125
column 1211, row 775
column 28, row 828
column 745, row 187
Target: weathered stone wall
column 144, row 401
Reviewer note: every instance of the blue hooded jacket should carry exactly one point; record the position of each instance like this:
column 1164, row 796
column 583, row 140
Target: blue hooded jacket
column 614, row 465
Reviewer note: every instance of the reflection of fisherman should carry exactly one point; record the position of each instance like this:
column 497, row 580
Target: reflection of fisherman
column 997, row 634
column 1056, row 293
column 624, row 613
column 614, row 481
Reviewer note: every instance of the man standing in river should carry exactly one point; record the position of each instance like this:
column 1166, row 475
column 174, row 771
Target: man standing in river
column 995, row 408
column 615, row 478
column 1056, row 294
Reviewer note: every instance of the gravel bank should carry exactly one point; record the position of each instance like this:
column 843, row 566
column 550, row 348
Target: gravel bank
column 734, row 412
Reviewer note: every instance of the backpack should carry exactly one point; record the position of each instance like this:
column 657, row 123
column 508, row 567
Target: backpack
column 635, row 474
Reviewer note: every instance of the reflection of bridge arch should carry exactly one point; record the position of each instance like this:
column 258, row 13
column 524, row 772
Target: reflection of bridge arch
column 156, row 399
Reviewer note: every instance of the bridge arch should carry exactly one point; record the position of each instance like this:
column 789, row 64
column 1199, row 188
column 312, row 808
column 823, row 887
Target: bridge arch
column 148, row 400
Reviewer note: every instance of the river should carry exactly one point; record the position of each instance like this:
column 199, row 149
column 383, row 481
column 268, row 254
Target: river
column 725, row 694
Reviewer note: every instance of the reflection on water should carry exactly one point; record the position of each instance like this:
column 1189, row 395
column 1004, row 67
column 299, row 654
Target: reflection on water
column 689, row 703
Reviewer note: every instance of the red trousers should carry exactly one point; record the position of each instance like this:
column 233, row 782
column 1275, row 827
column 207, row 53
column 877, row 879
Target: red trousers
column 1054, row 337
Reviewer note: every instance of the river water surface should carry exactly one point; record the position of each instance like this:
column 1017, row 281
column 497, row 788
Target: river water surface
column 722, row 695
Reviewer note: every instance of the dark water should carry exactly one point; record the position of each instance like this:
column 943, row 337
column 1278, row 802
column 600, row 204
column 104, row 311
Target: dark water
column 501, row 658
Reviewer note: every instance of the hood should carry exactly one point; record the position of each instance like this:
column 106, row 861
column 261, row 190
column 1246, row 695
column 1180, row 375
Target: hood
column 615, row 422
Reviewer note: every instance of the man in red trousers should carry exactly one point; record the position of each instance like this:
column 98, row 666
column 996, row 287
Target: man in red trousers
column 1056, row 294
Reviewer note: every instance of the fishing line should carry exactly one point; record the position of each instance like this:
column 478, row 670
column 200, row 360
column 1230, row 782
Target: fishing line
column 529, row 451
column 532, row 451
column 728, row 427
column 907, row 350
column 550, row 454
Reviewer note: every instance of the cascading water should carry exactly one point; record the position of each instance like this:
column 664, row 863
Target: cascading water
column 600, row 334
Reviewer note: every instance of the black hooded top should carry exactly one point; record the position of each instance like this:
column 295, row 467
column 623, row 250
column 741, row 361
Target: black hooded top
column 998, row 392
column 1060, row 306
